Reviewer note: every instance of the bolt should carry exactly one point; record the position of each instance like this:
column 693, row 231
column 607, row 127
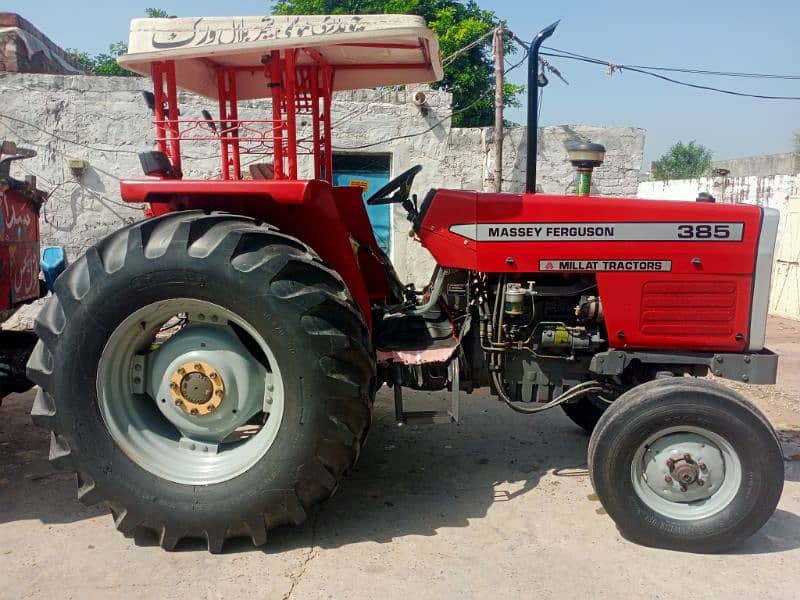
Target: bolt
column 173, row 386
column 670, row 463
column 700, row 482
column 747, row 359
column 745, row 378
column 270, row 387
column 214, row 318
column 219, row 392
column 687, row 457
column 201, row 316
column 194, row 411
column 178, row 402
column 212, row 375
column 137, row 380
column 198, row 366
column 137, row 367
column 194, row 446
column 210, row 408
column 683, row 488
column 181, row 371
column 668, row 479
column 703, row 467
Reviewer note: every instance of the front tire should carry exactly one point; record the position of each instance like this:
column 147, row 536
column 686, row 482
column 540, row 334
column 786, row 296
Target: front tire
column 282, row 316
column 686, row 464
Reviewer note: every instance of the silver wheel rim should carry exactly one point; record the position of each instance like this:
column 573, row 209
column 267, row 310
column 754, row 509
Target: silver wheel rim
column 686, row 473
column 139, row 401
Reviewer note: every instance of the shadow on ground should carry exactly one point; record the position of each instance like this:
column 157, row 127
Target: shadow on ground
column 410, row 481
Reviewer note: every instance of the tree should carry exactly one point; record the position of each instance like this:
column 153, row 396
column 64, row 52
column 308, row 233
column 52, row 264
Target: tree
column 683, row 161
column 105, row 63
column 470, row 75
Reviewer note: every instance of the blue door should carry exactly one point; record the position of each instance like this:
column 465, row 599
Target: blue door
column 370, row 172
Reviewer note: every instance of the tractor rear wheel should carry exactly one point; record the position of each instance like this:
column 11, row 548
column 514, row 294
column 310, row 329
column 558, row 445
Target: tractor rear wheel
column 686, row 464
column 204, row 375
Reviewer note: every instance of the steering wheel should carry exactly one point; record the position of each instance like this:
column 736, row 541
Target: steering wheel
column 397, row 190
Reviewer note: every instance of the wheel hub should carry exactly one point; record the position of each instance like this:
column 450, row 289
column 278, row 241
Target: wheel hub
column 197, row 388
column 683, row 467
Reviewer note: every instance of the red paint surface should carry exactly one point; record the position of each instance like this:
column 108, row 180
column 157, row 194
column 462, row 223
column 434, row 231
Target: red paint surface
column 307, row 210
column 691, row 307
column 19, row 249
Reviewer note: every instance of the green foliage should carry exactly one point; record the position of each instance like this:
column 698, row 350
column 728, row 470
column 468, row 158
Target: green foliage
column 105, row 63
column 470, row 76
column 683, row 161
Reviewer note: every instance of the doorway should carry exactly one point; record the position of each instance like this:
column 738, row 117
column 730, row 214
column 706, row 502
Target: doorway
column 370, row 172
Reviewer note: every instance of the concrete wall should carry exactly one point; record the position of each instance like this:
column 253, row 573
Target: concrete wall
column 770, row 190
column 105, row 121
column 777, row 191
column 787, row 163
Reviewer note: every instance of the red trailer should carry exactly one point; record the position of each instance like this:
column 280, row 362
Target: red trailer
column 20, row 202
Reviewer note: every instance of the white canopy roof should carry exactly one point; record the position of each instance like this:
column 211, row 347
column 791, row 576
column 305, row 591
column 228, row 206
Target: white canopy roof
column 358, row 44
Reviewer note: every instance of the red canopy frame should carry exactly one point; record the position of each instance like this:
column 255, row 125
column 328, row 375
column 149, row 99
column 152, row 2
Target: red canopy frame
column 295, row 90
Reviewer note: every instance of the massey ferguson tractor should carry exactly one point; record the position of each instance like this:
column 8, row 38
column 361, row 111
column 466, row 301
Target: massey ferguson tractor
column 209, row 372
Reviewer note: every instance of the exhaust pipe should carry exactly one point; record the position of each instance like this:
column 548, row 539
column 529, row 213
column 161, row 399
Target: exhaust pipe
column 533, row 105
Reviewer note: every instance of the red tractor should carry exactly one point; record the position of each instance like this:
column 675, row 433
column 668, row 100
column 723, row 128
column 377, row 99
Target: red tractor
column 209, row 372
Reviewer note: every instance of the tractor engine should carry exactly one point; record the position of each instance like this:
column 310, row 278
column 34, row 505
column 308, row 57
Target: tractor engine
column 529, row 336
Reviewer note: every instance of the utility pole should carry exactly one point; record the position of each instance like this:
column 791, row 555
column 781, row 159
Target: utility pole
column 497, row 50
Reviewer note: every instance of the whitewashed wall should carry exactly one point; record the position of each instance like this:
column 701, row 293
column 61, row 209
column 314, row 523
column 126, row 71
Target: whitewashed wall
column 775, row 191
column 104, row 121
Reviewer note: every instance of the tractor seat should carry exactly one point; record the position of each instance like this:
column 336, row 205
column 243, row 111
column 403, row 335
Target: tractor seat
column 262, row 171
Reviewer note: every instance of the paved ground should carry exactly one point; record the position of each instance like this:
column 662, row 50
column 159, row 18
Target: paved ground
column 499, row 506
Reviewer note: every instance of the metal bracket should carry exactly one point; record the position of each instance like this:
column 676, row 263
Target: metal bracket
column 754, row 367
column 430, row 417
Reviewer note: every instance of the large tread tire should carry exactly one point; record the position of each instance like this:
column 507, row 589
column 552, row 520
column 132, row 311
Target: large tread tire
column 279, row 286
column 684, row 401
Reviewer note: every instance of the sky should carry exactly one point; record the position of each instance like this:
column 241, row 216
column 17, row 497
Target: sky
column 730, row 35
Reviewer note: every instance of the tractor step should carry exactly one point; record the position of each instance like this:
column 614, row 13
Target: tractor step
column 430, row 417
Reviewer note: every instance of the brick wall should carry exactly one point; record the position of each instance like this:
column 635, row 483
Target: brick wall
column 25, row 49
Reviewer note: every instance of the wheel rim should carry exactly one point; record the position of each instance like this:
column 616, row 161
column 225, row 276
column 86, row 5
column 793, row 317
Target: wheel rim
column 199, row 407
column 686, row 473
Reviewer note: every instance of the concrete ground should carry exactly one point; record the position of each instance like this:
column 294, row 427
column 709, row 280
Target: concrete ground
column 499, row 506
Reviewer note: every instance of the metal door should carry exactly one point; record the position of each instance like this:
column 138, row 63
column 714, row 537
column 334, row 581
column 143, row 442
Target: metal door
column 370, row 172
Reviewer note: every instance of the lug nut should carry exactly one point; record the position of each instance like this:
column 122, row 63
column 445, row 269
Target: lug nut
column 182, row 371
column 687, row 457
column 194, row 411
column 219, row 392
column 210, row 408
column 198, row 366
column 700, row 482
column 668, row 479
column 178, row 402
column 173, row 386
column 683, row 488
column 212, row 375
column 703, row 467
column 670, row 463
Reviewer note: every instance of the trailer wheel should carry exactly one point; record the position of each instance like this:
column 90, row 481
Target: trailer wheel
column 206, row 376
column 686, row 464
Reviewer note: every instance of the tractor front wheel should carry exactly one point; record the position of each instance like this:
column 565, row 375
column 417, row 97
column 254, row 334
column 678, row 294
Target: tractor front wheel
column 205, row 375
column 686, row 464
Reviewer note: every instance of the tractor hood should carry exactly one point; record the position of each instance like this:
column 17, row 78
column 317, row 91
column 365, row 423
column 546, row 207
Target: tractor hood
column 364, row 50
